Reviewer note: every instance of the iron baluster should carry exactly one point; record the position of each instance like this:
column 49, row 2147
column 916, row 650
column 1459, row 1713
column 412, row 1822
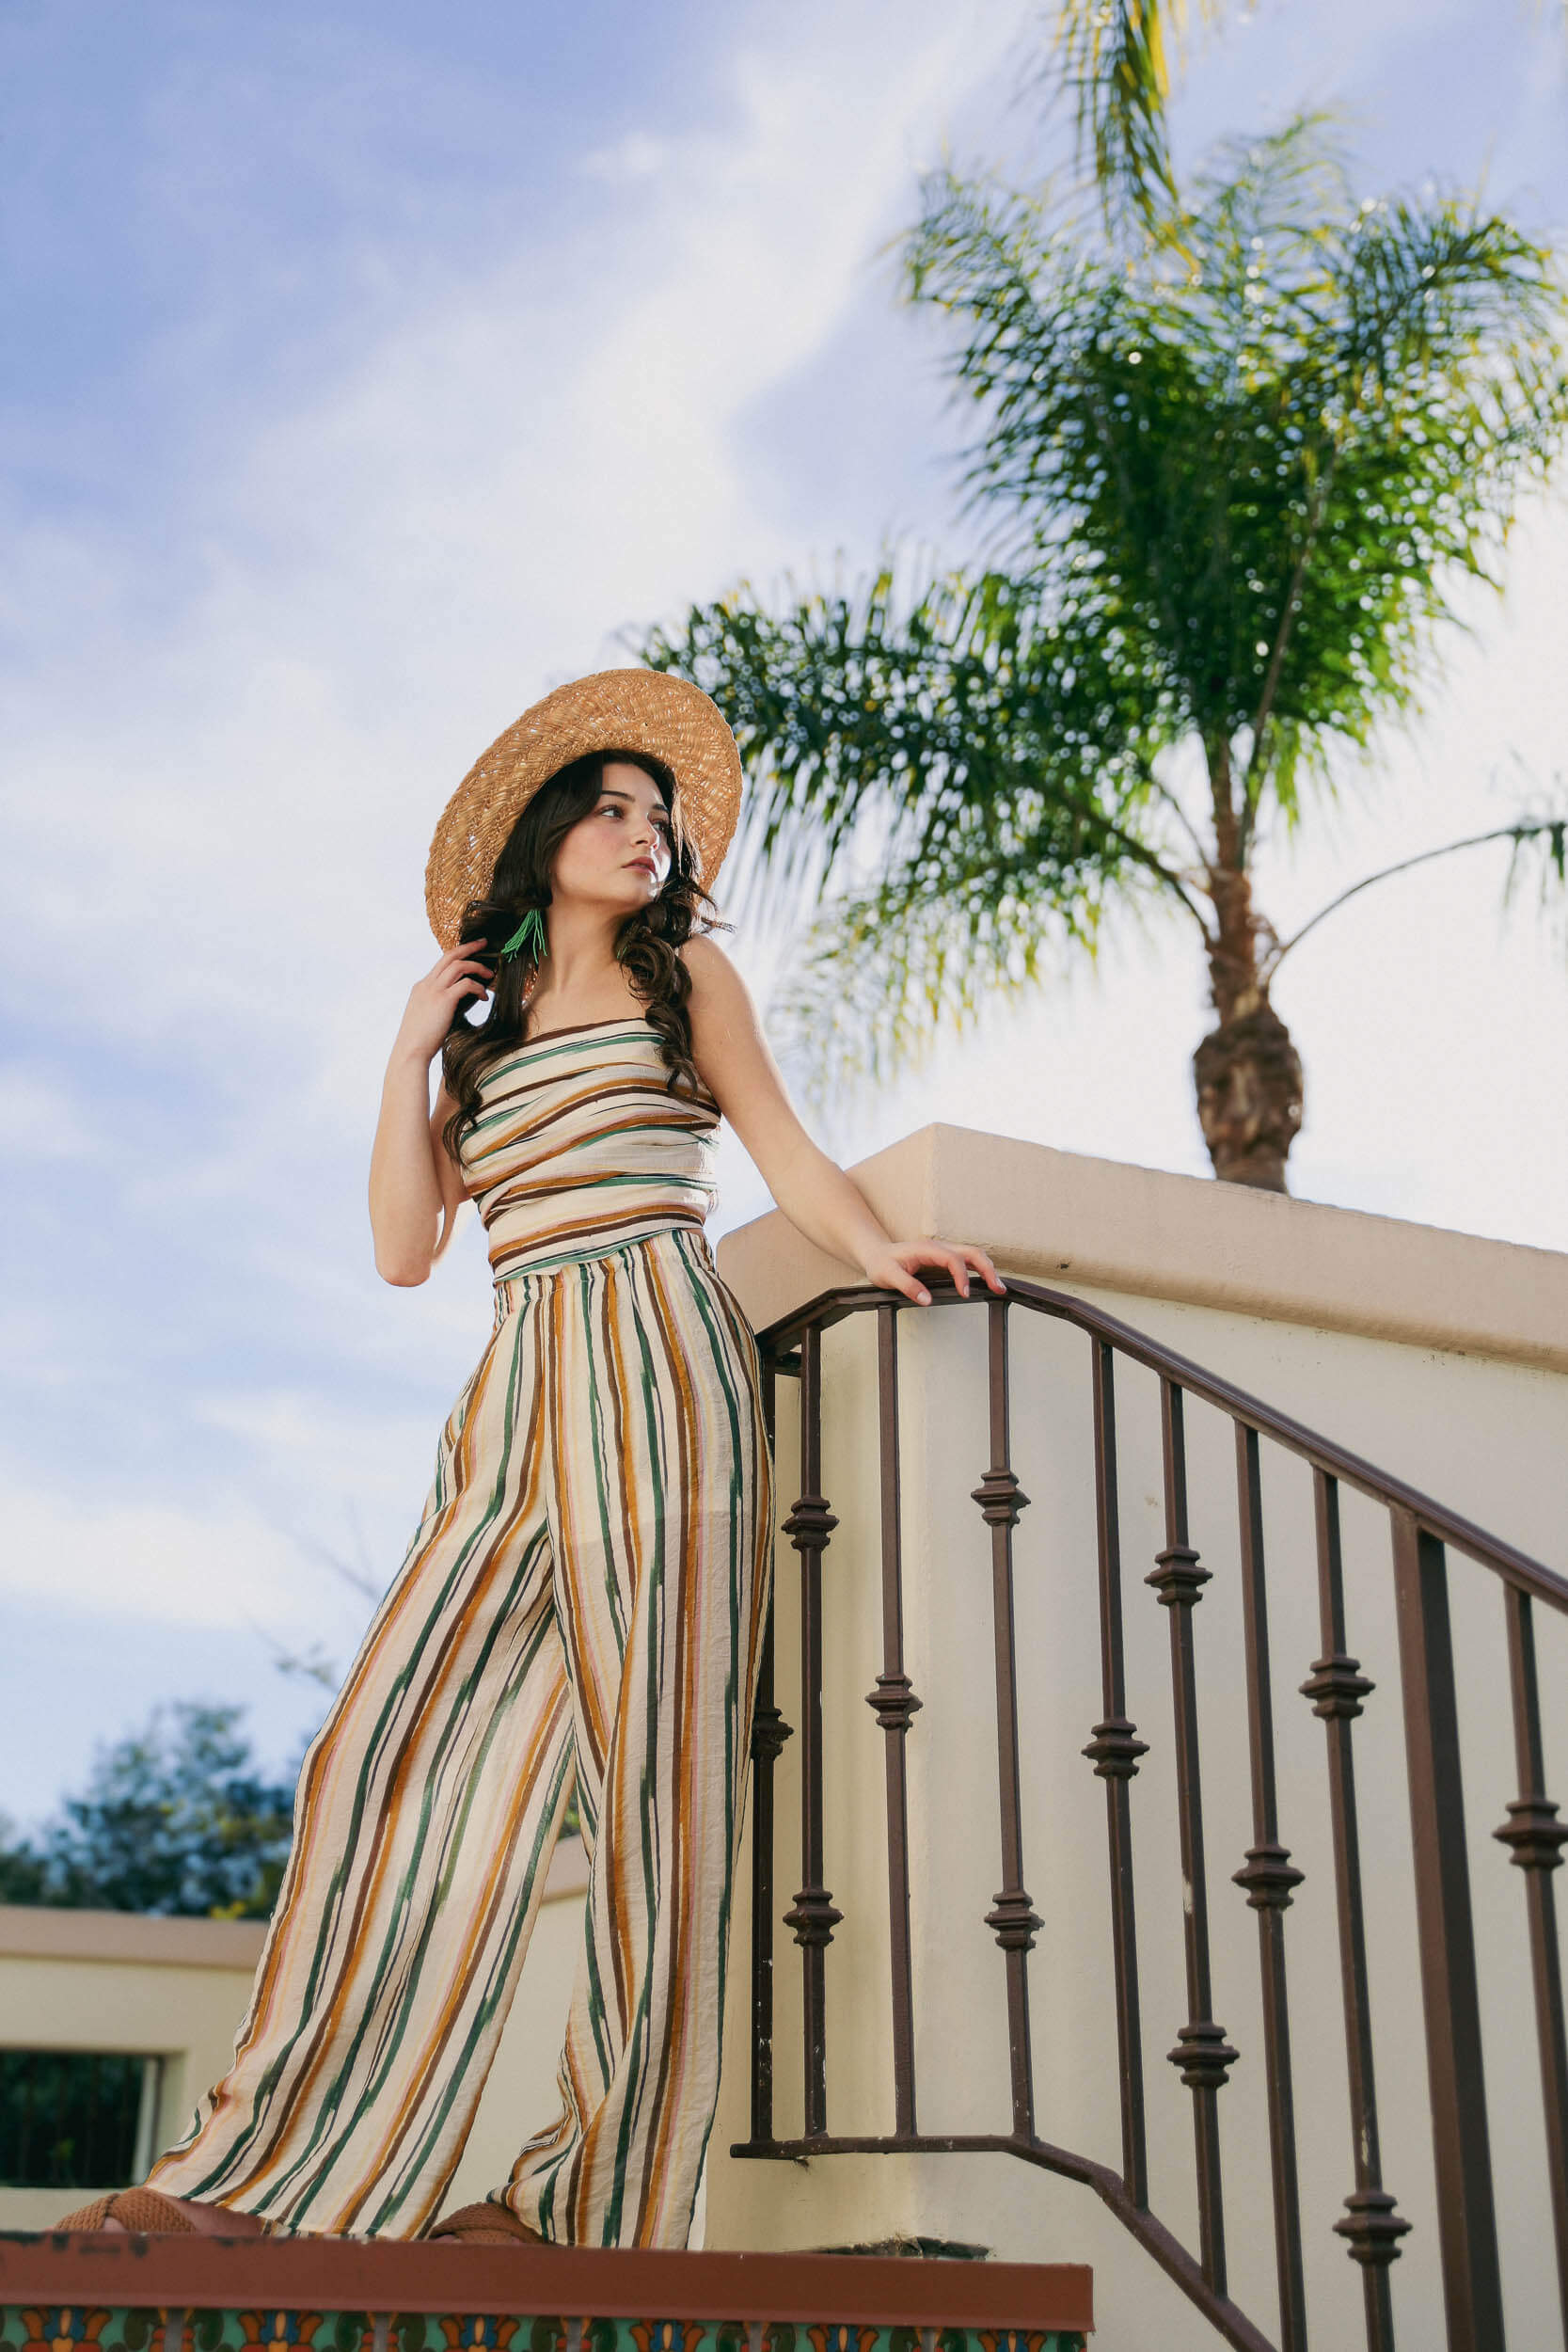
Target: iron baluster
column 1269, row 1879
column 1536, row 1837
column 1201, row 2053
column 812, row 1916
column 769, row 1733
column 1011, row 1919
column 1372, row 2226
column 893, row 1703
column 1467, row 2220
column 1113, row 1751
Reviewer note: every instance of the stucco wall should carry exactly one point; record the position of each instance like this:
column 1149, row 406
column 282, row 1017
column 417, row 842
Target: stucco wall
column 1481, row 1424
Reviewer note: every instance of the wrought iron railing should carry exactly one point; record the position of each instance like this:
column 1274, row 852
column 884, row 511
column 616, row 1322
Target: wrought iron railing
column 1423, row 1534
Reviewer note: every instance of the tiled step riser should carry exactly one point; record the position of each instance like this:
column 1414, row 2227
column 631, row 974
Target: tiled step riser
column 83, row 2329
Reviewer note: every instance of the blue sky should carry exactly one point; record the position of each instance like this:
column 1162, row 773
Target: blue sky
column 370, row 369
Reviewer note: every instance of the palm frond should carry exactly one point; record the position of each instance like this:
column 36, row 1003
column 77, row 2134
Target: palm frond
column 920, row 711
column 1116, row 59
column 1538, row 857
column 1538, row 852
column 883, row 974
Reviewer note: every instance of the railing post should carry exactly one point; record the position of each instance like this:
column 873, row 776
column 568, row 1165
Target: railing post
column 1372, row 2227
column 1201, row 2053
column 1536, row 1838
column 812, row 1916
column 769, row 1733
column 1472, row 2288
column 1269, row 1879
column 1012, row 1920
column 893, row 1703
column 1113, row 1751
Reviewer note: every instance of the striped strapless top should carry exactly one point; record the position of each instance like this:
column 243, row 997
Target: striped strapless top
column 579, row 1146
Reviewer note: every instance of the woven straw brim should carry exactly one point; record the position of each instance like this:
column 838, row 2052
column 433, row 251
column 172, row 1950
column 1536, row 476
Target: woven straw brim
column 628, row 711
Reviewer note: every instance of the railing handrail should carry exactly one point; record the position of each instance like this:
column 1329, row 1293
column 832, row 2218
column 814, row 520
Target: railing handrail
column 1514, row 1566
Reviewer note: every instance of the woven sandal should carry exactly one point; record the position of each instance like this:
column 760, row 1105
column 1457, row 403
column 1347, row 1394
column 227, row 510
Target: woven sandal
column 481, row 2224
column 142, row 2210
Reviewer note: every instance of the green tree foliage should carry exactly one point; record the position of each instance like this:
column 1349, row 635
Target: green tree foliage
column 177, row 1818
column 1116, row 59
column 1119, row 60
column 1231, row 489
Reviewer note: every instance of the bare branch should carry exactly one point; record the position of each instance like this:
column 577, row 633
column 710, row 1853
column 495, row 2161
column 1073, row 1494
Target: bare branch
column 1164, row 792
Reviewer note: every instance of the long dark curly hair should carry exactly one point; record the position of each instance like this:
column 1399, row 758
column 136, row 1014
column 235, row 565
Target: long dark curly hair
column 646, row 943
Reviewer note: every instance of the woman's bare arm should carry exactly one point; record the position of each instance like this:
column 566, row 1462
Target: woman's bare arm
column 813, row 1191
column 449, row 1175
column 415, row 1189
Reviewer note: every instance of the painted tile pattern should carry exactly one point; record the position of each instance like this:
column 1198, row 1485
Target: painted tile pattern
column 76, row 2327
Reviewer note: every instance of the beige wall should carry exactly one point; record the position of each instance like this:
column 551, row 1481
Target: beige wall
column 1227, row 1280
column 177, row 1988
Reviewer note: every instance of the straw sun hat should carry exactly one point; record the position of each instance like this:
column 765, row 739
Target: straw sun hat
column 615, row 711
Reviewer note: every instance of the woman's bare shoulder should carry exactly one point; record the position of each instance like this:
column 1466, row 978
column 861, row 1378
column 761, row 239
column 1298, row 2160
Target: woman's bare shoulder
column 723, row 1013
column 714, row 978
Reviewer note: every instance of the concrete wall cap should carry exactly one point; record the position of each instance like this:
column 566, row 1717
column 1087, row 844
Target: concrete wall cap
column 41, row 1933
column 44, row 1933
column 1058, row 1216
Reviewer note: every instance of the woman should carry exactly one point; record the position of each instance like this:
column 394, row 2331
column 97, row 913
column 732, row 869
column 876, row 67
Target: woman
column 583, row 1598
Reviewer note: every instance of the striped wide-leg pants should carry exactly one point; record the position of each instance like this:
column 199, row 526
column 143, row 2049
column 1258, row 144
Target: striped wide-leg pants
column 584, row 1594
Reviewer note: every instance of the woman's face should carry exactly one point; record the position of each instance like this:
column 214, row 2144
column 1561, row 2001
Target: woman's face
column 618, row 856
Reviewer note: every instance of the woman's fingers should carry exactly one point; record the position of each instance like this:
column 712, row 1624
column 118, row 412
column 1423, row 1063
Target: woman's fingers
column 953, row 1259
column 466, row 952
column 980, row 1259
column 462, row 974
column 957, row 1258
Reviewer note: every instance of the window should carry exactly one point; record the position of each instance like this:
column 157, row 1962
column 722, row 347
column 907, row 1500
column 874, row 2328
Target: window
column 76, row 2119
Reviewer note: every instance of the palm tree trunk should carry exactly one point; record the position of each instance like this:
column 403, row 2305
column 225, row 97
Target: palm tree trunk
column 1248, row 1073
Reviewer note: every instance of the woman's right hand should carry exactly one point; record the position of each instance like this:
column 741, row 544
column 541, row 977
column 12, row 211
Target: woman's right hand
column 460, row 974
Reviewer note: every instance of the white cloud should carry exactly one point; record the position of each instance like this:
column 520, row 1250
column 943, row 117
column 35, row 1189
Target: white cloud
column 316, row 1446
column 187, row 1567
column 38, row 1342
column 638, row 156
column 40, row 1120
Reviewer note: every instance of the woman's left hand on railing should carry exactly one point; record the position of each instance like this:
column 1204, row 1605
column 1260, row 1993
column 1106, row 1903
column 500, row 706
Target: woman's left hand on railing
column 894, row 1270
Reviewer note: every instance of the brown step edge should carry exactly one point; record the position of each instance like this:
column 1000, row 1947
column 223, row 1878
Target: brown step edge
column 413, row 2275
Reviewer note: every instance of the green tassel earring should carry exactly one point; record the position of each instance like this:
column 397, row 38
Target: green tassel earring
column 528, row 939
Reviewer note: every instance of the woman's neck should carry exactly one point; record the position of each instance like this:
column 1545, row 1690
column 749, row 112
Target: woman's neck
column 578, row 979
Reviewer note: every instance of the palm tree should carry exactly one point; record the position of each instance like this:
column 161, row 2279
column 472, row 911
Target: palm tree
column 1233, row 482
column 1118, row 59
